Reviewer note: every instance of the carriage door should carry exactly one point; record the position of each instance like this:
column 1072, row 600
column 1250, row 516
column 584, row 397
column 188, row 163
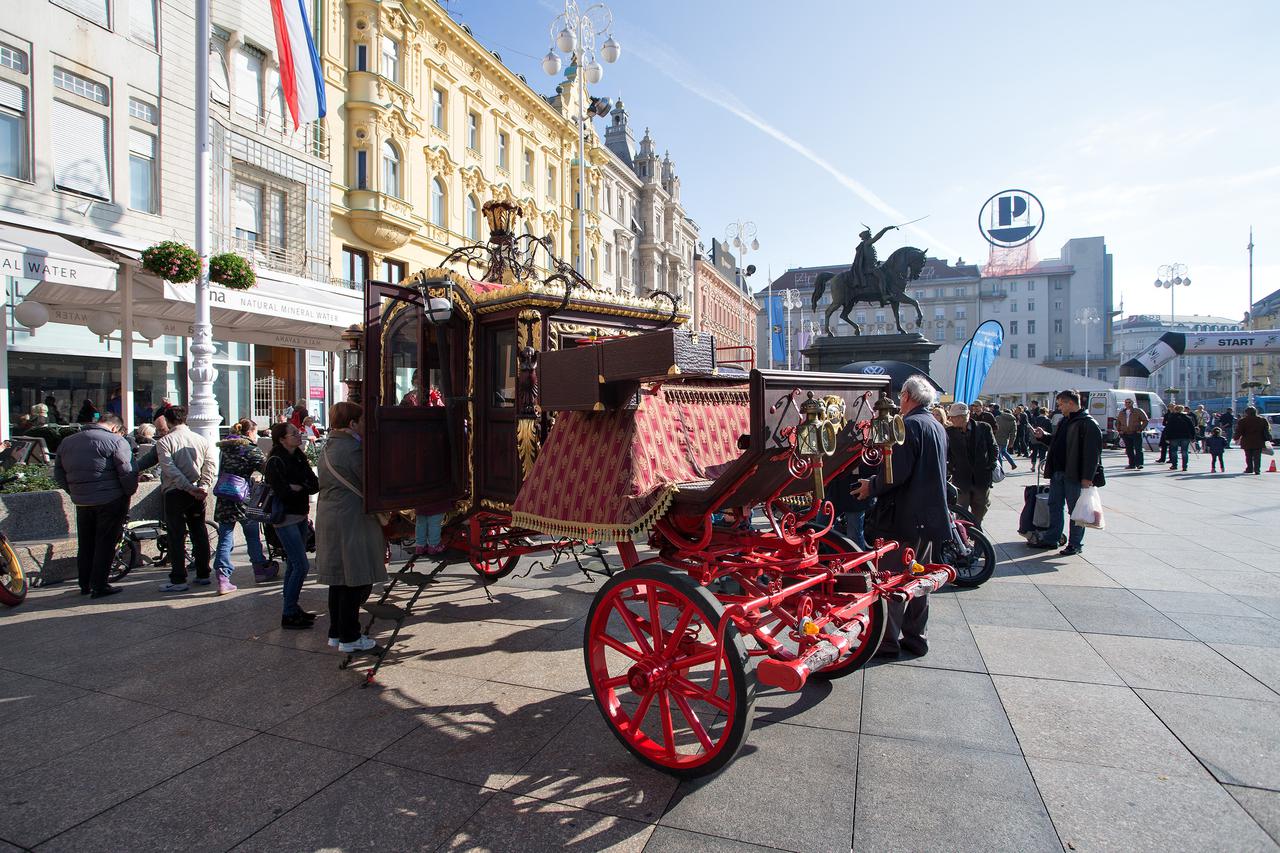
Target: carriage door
column 414, row 444
column 496, row 409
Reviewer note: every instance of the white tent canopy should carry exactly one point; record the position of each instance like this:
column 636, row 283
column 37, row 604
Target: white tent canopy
column 1012, row 378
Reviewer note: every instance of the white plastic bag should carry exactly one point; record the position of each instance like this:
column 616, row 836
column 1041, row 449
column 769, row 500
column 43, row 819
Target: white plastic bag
column 1088, row 511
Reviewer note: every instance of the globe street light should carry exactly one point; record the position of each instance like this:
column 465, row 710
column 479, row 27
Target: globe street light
column 1087, row 317
column 1171, row 277
column 573, row 32
column 742, row 236
column 790, row 300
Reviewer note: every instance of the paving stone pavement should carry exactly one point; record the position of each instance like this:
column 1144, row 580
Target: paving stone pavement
column 1127, row 699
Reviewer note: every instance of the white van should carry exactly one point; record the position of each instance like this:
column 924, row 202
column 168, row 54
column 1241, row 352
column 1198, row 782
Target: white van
column 1103, row 406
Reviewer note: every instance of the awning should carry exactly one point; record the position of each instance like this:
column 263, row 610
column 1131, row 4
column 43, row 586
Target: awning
column 284, row 311
column 44, row 257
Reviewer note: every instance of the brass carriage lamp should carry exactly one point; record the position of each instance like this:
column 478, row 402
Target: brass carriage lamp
column 353, row 361
column 438, row 309
column 887, row 429
column 501, row 216
column 815, row 438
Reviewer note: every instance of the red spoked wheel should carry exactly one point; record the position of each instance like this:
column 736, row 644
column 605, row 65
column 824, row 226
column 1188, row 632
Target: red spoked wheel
column 651, row 651
column 492, row 570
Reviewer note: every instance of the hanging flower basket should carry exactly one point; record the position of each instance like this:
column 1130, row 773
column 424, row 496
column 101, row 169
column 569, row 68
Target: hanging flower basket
column 231, row 270
column 173, row 261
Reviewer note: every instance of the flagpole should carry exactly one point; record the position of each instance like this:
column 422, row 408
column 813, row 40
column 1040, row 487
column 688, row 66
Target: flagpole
column 1252, row 325
column 202, row 416
column 769, row 317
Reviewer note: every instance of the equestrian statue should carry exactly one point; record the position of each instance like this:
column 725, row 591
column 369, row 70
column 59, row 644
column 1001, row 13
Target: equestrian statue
column 870, row 281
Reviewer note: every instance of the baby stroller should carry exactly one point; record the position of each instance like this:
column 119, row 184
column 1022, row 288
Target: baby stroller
column 275, row 549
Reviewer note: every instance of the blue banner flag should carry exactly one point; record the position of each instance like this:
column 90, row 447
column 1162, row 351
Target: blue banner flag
column 778, row 330
column 976, row 359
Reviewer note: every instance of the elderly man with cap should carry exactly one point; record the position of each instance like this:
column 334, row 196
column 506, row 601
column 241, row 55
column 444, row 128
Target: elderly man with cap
column 971, row 460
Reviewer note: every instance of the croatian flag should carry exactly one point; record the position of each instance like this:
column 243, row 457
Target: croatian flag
column 300, row 79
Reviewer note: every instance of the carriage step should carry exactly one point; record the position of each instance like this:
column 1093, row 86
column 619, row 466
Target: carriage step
column 791, row 675
column 853, row 582
column 389, row 612
column 410, row 578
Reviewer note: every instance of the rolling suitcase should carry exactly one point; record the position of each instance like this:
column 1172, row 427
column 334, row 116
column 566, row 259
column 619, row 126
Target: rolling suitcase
column 1034, row 519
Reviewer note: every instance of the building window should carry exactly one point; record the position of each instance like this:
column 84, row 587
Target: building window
column 859, row 317
column 961, row 312
column 959, row 292
column 390, row 61
column 438, row 203
column 1057, row 327
column 595, row 265
column 391, row 170
column 437, row 107
column 608, row 197
column 142, row 21
column 473, row 218
column 502, row 150
column 248, row 82
column 248, row 214
column 1013, row 351
column 14, row 133
column 961, row 332
column 1102, row 374
column 142, row 171
column 362, row 57
column 1057, row 284
column 473, row 131
column 879, row 316
column 1013, row 307
column 528, row 167
column 1031, row 327
column 90, row 10
column 551, row 182
column 1031, row 350
column 1031, row 285
column 939, row 313
column 1031, row 305
column 1057, row 305
column 1013, row 327
column 362, row 169
column 393, row 271
column 81, row 137
column 219, row 85
column 278, row 205
column 1013, row 287
column 355, row 266
column 608, row 257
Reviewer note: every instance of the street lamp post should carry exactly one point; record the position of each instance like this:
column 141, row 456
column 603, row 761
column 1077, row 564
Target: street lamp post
column 1172, row 276
column 203, row 416
column 1087, row 317
column 742, row 236
column 790, row 301
column 576, row 37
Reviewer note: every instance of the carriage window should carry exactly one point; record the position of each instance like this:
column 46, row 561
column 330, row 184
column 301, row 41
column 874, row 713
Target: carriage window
column 504, row 369
column 401, row 356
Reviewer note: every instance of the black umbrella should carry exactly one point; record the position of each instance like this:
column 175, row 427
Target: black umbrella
column 897, row 371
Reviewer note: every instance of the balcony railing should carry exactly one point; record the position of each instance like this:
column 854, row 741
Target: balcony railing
column 293, row 262
column 277, row 126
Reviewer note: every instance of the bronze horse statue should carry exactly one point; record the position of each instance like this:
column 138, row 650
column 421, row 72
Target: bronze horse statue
column 903, row 266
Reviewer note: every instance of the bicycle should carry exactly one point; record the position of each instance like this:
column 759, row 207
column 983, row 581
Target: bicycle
column 130, row 554
column 13, row 580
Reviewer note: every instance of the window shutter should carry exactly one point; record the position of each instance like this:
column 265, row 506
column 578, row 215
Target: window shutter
column 81, row 151
column 93, row 10
column 13, row 96
column 142, row 144
column 142, row 21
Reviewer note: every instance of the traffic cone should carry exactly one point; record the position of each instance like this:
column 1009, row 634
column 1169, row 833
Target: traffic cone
column 1272, row 469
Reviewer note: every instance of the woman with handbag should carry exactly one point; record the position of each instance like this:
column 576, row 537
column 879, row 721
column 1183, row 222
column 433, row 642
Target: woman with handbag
column 238, row 461
column 292, row 483
column 349, row 542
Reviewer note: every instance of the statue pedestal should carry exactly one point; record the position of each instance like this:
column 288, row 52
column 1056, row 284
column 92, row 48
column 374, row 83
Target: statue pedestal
column 830, row 354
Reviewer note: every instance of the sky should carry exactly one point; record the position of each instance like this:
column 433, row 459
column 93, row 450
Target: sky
column 1153, row 124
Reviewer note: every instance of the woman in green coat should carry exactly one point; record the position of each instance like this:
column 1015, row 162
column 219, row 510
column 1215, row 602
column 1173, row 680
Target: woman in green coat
column 349, row 544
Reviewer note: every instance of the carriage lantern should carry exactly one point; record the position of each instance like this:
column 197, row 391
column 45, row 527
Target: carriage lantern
column 501, row 216
column 353, row 361
column 437, row 309
column 887, row 429
column 815, row 438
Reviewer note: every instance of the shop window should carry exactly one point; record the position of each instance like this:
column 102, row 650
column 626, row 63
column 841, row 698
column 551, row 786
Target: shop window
column 81, row 135
column 142, row 21
column 15, row 124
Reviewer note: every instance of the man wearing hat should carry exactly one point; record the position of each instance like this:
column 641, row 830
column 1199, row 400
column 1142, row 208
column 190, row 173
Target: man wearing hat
column 971, row 459
column 866, row 267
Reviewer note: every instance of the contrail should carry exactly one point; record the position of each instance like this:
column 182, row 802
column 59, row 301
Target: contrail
column 664, row 63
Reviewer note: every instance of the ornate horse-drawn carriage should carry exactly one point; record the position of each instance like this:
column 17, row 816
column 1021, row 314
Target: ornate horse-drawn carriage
column 661, row 441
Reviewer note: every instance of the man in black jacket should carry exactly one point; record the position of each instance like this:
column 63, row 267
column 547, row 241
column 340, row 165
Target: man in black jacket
column 913, row 509
column 1179, row 432
column 1074, row 462
column 971, row 460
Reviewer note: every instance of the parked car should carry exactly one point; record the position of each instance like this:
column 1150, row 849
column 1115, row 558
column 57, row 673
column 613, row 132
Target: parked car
column 1104, row 406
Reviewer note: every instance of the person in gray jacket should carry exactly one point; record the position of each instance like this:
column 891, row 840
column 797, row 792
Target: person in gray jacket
column 95, row 466
column 188, row 468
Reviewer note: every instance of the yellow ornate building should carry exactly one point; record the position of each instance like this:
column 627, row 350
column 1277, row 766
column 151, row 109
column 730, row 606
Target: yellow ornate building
column 426, row 126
